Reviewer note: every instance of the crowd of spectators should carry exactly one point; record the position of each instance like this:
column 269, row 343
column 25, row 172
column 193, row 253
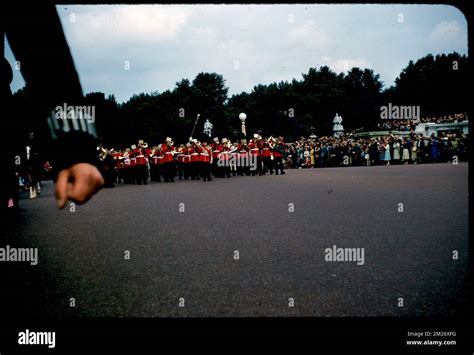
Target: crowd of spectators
column 407, row 125
column 349, row 151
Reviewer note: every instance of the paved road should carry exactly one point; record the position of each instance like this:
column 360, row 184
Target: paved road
column 190, row 254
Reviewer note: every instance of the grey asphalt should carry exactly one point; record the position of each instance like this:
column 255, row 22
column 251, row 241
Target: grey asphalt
column 190, row 254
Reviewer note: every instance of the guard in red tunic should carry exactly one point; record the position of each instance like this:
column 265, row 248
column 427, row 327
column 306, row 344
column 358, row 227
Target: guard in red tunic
column 278, row 153
column 255, row 155
column 194, row 164
column 133, row 163
column 205, row 161
column 187, row 161
column 119, row 165
column 224, row 159
column 180, row 161
column 155, row 164
column 267, row 156
column 126, row 165
column 234, row 158
column 141, row 169
column 169, row 166
column 244, row 167
column 217, row 148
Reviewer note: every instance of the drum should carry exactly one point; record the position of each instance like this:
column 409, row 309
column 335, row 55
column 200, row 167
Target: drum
column 205, row 158
column 224, row 156
column 168, row 157
column 141, row 160
column 255, row 151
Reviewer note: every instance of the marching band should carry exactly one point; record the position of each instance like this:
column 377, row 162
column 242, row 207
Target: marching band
column 194, row 160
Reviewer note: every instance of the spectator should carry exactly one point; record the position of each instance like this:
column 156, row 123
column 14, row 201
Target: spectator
column 396, row 151
column 405, row 151
column 387, row 156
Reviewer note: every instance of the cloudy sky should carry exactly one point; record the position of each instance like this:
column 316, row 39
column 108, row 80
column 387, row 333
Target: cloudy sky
column 130, row 49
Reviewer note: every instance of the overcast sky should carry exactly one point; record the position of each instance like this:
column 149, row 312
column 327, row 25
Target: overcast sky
column 248, row 44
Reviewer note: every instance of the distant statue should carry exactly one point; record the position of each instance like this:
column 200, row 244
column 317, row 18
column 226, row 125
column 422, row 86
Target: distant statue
column 338, row 129
column 208, row 128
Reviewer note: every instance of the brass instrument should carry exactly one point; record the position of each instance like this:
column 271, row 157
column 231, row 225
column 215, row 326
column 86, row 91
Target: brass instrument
column 102, row 152
column 271, row 142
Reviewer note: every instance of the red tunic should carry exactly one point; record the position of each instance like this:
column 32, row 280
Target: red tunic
column 276, row 153
column 254, row 149
column 266, row 152
column 133, row 160
column 140, row 156
column 205, row 155
column 216, row 149
column 167, row 153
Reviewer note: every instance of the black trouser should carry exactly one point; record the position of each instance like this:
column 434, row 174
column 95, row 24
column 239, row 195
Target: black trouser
column 155, row 172
column 127, row 175
column 206, row 171
column 258, row 169
column 194, row 170
column 267, row 165
column 226, row 170
column 216, row 170
column 120, row 175
column 133, row 174
column 142, row 174
column 108, row 174
column 240, row 170
column 169, row 171
column 186, row 170
column 279, row 165
column 180, row 168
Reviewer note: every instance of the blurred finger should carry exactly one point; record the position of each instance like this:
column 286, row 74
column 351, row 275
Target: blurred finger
column 61, row 188
column 81, row 188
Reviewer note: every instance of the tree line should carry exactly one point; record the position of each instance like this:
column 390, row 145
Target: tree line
column 300, row 107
